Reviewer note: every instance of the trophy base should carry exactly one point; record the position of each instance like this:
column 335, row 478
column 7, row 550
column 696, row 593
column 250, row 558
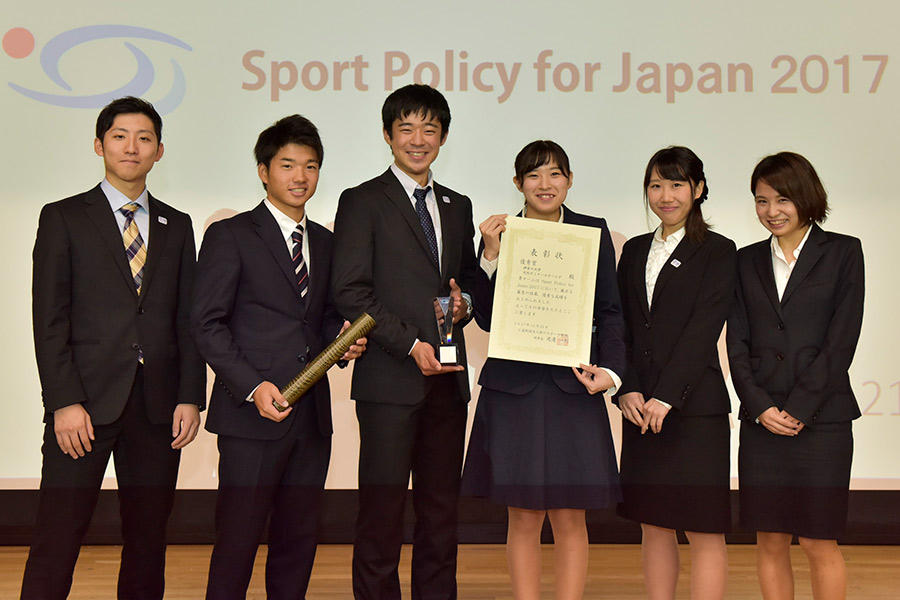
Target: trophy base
column 447, row 354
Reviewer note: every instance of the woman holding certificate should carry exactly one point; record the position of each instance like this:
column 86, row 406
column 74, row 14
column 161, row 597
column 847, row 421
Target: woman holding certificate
column 791, row 339
column 677, row 286
column 541, row 443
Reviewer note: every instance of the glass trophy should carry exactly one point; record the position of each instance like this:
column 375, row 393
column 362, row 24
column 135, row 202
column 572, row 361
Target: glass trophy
column 447, row 351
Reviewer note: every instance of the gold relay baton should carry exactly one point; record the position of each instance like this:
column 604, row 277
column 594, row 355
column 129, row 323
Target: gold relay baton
column 316, row 369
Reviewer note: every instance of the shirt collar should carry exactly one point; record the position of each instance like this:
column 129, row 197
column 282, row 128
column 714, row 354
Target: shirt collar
column 672, row 240
column 561, row 210
column 409, row 184
column 117, row 199
column 779, row 253
column 286, row 224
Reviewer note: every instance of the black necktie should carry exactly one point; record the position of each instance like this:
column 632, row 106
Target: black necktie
column 425, row 220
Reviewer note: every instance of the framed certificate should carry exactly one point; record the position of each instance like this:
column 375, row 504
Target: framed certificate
column 544, row 294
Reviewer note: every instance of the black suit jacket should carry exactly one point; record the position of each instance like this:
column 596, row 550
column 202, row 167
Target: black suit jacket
column 671, row 348
column 607, row 342
column 250, row 324
column 383, row 266
column 794, row 354
column 90, row 323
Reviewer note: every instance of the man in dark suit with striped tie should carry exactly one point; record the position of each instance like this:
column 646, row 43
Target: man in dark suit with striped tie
column 262, row 310
column 113, row 270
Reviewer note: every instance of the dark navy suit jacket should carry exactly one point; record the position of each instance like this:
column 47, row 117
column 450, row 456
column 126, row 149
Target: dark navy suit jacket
column 250, row 324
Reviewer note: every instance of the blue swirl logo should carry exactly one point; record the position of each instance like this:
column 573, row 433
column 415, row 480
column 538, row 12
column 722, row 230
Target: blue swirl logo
column 18, row 43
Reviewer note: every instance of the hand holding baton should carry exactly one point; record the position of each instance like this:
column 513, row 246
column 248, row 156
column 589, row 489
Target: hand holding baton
column 316, row 369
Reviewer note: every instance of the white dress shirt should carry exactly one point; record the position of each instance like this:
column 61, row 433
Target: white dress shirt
column 780, row 265
column 287, row 226
column 660, row 251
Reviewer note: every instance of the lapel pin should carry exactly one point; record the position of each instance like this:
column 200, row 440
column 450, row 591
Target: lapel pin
column 162, row 220
column 675, row 263
column 445, row 199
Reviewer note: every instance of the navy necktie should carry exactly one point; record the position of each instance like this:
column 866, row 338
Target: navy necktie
column 425, row 220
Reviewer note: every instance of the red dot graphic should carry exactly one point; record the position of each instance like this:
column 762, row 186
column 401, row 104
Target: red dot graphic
column 18, row 42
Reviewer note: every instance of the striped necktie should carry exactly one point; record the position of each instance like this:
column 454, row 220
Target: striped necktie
column 299, row 264
column 134, row 244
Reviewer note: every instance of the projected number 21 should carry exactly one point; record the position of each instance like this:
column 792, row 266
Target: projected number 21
column 872, row 409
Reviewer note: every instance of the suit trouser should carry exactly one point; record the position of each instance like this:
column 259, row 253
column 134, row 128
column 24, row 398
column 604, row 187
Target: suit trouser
column 284, row 477
column 146, row 471
column 426, row 439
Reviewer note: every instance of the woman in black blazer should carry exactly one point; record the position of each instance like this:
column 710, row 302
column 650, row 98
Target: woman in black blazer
column 677, row 286
column 541, row 443
column 791, row 340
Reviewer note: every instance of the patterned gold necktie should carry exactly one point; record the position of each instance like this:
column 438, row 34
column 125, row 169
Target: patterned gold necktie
column 134, row 244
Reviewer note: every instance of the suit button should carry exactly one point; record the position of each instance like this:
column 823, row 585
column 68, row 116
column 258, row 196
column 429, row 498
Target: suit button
column 301, row 358
column 135, row 346
column 780, row 326
column 646, row 353
column 140, row 310
column 780, row 356
column 647, row 325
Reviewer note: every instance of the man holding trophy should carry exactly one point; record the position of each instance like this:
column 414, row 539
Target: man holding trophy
column 403, row 247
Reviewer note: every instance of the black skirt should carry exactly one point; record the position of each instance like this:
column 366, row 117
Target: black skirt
column 796, row 484
column 543, row 450
column 678, row 478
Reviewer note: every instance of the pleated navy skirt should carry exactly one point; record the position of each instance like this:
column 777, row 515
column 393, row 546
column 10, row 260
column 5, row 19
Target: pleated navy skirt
column 542, row 450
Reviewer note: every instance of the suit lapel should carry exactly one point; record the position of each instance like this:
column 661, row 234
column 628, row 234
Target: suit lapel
column 762, row 262
column 318, row 275
column 267, row 229
column 98, row 210
column 445, row 208
column 639, row 273
column 809, row 256
column 397, row 195
column 682, row 254
column 159, row 234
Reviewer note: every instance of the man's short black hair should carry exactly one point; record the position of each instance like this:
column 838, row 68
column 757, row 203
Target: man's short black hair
column 418, row 99
column 295, row 129
column 127, row 106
